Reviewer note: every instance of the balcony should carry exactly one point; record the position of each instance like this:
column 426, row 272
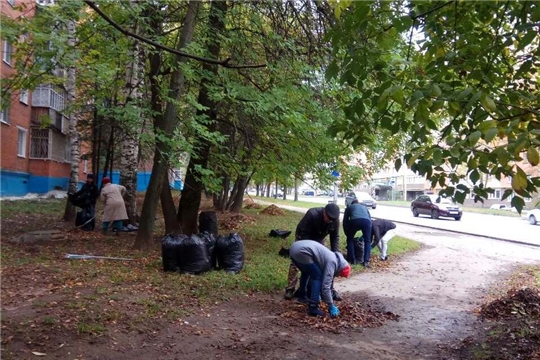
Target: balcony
column 45, row 117
column 47, row 96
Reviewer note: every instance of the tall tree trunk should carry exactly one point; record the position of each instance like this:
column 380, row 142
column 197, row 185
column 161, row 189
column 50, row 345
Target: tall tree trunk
column 242, row 182
column 257, row 188
column 165, row 126
column 284, row 192
column 268, row 189
column 130, row 140
column 233, row 194
column 190, row 200
column 69, row 213
column 168, row 207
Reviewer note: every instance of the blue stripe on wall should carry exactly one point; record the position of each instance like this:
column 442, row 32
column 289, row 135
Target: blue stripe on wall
column 19, row 184
column 143, row 179
column 13, row 183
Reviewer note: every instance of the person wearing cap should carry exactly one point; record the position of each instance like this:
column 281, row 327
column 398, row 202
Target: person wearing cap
column 112, row 196
column 316, row 224
column 357, row 217
column 320, row 266
column 383, row 232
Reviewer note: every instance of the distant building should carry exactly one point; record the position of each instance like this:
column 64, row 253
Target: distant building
column 35, row 152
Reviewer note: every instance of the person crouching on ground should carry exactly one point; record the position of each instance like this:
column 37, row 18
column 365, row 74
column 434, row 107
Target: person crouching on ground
column 383, row 231
column 316, row 224
column 357, row 217
column 115, row 209
column 320, row 266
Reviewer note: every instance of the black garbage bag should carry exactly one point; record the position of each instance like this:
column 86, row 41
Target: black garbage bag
column 210, row 242
column 208, row 222
column 170, row 248
column 81, row 200
column 280, row 233
column 85, row 219
column 193, row 255
column 230, row 252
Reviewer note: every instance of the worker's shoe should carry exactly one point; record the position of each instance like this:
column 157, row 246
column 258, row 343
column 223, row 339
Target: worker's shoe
column 384, row 258
column 302, row 300
column 336, row 296
column 313, row 310
column 289, row 294
column 366, row 265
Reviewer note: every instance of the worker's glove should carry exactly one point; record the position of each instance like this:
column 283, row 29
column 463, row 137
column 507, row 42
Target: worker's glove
column 333, row 310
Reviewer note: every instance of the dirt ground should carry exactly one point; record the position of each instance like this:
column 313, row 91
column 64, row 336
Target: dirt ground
column 434, row 292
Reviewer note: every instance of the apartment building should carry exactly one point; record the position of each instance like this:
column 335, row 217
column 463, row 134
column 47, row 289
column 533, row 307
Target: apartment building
column 35, row 152
column 389, row 184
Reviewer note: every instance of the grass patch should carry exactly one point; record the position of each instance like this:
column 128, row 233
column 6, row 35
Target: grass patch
column 101, row 295
column 91, row 328
column 11, row 208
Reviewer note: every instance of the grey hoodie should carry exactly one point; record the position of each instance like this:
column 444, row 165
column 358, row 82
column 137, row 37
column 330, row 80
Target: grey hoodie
column 330, row 263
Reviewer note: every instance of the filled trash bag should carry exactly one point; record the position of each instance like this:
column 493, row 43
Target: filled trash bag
column 210, row 242
column 170, row 247
column 193, row 255
column 230, row 252
column 208, row 222
column 85, row 219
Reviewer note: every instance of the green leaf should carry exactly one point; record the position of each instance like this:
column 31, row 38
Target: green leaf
column 397, row 164
column 527, row 39
column 454, row 151
column 437, row 157
column 518, row 203
column 519, row 180
column 488, row 103
column 474, row 176
column 532, row 156
column 474, row 137
column 490, row 134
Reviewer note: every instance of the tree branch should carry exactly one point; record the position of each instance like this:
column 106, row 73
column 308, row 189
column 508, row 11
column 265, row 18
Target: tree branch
column 225, row 63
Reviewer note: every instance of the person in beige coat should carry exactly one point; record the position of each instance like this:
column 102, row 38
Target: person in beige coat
column 112, row 196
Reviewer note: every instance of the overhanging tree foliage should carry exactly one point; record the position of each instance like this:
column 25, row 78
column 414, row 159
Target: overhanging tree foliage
column 460, row 77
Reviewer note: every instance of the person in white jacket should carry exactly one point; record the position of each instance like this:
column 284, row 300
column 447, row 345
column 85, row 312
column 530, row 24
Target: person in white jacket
column 383, row 231
column 319, row 265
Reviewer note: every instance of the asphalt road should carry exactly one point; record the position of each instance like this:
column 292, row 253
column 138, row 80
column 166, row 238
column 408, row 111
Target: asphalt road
column 500, row 227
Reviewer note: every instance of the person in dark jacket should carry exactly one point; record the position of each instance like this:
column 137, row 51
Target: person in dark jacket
column 316, row 224
column 320, row 266
column 357, row 217
column 383, row 231
column 86, row 199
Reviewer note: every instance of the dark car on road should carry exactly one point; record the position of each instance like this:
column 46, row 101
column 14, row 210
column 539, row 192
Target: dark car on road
column 362, row 197
column 435, row 206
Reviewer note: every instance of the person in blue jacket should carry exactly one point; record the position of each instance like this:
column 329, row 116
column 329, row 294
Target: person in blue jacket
column 357, row 217
column 319, row 265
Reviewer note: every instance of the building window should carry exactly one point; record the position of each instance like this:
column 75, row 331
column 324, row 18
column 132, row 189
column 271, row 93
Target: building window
column 4, row 115
column 8, row 52
column 496, row 195
column 39, row 144
column 24, row 97
column 21, row 144
column 85, row 166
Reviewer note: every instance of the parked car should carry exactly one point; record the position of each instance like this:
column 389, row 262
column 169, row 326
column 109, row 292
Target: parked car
column 308, row 193
column 362, row 197
column 533, row 216
column 322, row 193
column 278, row 195
column 502, row 207
column 436, row 207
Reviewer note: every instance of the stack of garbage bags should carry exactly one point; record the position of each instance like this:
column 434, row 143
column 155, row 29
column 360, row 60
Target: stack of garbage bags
column 203, row 252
